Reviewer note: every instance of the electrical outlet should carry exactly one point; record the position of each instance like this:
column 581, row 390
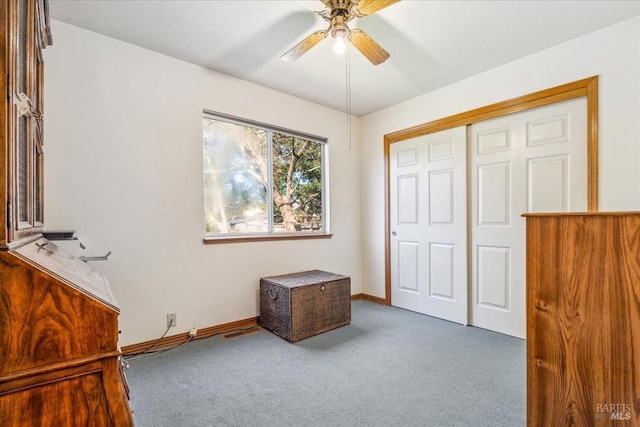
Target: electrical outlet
column 171, row 320
column 193, row 332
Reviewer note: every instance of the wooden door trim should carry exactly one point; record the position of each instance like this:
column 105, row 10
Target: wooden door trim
column 586, row 87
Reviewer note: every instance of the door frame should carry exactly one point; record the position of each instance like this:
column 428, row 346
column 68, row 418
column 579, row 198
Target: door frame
column 581, row 88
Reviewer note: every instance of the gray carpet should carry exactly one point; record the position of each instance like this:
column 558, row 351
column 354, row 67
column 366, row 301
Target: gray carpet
column 390, row 367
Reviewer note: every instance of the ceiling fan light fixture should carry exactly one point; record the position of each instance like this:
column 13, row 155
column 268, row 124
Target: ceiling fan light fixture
column 339, row 48
column 339, row 32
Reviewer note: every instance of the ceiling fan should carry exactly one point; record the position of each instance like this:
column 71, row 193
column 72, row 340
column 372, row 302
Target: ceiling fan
column 338, row 13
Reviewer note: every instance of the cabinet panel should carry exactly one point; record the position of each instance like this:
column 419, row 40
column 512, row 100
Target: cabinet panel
column 80, row 402
column 46, row 321
column 583, row 319
column 24, row 36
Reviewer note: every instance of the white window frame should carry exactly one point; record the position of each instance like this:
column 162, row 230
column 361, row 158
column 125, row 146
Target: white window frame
column 324, row 232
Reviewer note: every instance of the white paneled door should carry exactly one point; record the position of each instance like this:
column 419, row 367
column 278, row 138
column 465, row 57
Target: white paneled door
column 534, row 161
column 428, row 192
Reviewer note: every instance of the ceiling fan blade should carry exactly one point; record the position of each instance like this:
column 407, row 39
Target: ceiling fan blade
column 368, row 7
column 301, row 48
column 368, row 47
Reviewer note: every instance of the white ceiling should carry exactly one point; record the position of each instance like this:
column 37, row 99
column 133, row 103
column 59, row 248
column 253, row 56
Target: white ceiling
column 432, row 43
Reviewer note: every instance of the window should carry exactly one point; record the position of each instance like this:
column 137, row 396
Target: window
column 262, row 181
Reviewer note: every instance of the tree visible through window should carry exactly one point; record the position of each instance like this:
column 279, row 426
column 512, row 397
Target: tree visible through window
column 260, row 180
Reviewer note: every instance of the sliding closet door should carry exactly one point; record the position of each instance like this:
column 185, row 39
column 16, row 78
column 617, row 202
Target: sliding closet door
column 534, row 161
column 429, row 224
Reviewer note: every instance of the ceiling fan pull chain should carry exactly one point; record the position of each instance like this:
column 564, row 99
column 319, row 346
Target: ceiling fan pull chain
column 348, row 92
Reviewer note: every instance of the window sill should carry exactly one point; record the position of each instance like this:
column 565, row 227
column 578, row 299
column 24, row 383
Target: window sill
column 269, row 238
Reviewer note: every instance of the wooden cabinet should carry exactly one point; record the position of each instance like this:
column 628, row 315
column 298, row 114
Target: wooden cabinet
column 24, row 33
column 60, row 364
column 59, row 356
column 583, row 319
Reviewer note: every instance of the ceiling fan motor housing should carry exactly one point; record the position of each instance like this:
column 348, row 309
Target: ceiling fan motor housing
column 339, row 27
column 341, row 6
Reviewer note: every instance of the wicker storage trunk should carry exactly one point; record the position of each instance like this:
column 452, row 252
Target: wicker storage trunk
column 297, row 306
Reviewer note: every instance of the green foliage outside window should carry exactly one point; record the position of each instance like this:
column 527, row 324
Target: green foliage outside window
column 249, row 169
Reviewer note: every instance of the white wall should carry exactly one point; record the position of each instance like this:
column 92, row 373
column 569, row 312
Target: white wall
column 124, row 166
column 124, row 169
column 612, row 53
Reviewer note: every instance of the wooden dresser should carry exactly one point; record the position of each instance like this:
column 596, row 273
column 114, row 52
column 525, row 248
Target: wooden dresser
column 59, row 357
column 583, row 319
column 60, row 363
